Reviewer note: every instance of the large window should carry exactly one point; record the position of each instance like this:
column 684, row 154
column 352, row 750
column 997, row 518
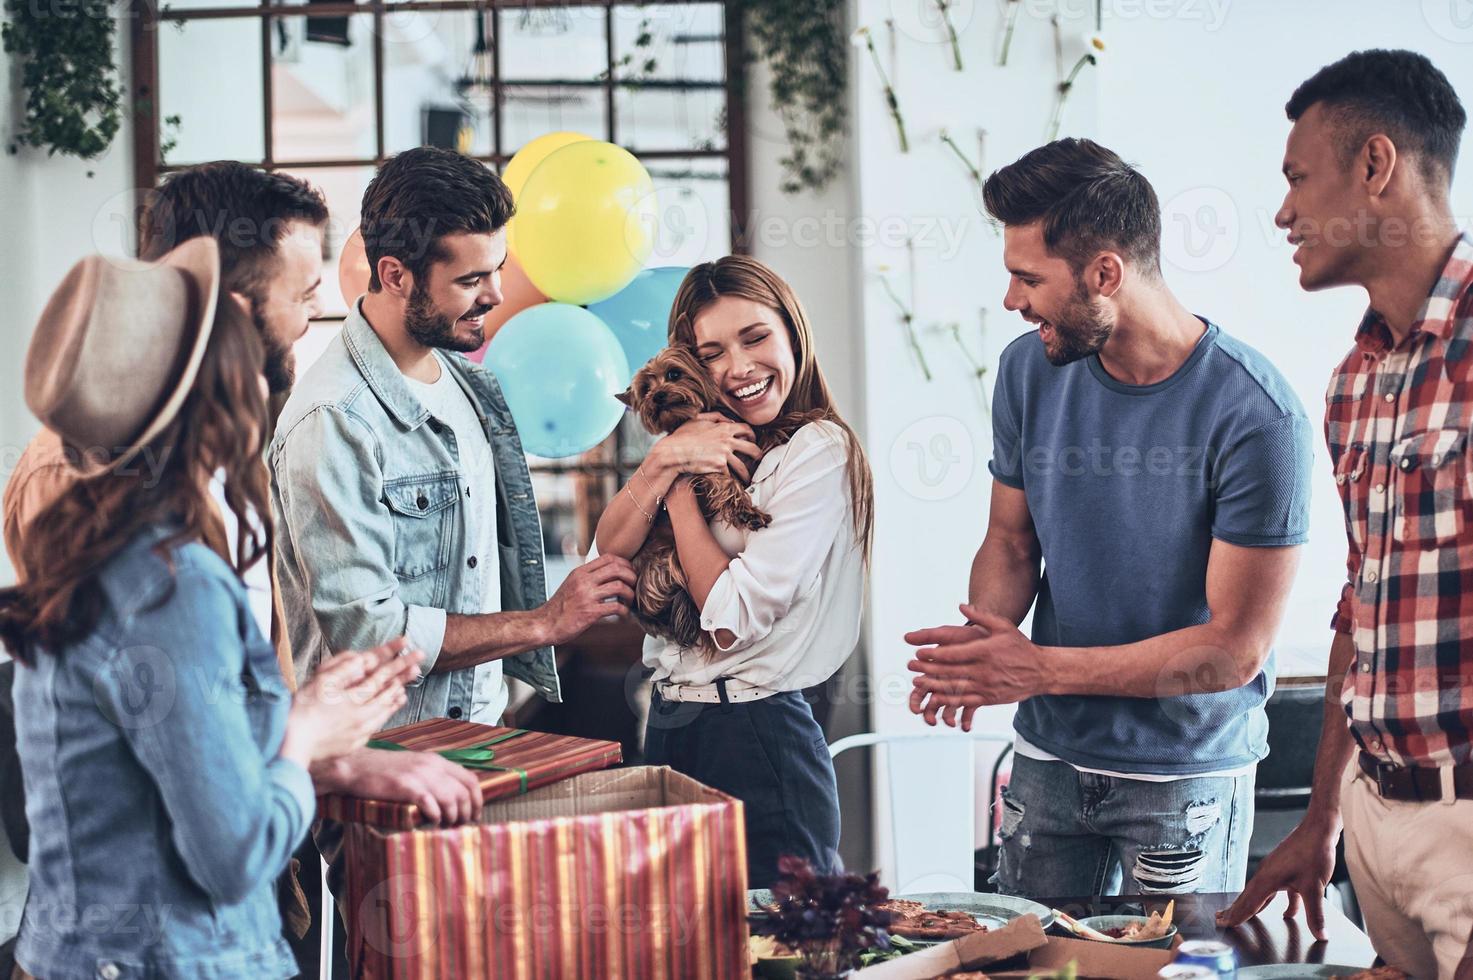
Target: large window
column 329, row 90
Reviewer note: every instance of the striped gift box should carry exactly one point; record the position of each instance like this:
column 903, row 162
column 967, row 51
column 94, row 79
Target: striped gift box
column 629, row 873
column 507, row 762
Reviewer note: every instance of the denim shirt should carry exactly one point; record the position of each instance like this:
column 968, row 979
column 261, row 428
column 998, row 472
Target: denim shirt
column 160, row 814
column 371, row 536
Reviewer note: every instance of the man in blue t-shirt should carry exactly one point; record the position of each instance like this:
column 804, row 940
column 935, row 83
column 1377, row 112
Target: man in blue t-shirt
column 1158, row 470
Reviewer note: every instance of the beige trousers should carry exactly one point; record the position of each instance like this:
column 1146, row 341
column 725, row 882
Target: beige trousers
column 1412, row 868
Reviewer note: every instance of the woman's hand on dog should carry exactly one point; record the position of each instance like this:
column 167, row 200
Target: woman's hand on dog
column 708, row 443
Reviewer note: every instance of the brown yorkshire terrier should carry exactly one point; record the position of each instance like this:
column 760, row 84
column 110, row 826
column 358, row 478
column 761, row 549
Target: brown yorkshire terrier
column 669, row 391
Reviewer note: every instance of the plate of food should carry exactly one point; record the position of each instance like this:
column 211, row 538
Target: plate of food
column 1319, row 971
column 920, row 914
column 1132, row 930
column 771, row 959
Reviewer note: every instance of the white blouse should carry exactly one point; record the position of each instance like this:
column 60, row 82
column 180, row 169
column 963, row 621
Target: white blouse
column 794, row 591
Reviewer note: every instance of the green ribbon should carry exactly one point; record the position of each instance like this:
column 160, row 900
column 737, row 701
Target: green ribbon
column 476, row 756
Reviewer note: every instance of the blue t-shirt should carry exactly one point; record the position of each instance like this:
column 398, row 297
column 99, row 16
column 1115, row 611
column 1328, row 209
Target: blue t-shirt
column 1128, row 486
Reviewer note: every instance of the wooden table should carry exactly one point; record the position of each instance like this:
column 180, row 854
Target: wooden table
column 1267, row 939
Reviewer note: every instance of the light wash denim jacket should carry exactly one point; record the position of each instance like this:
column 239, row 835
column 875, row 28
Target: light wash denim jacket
column 160, row 815
column 371, row 522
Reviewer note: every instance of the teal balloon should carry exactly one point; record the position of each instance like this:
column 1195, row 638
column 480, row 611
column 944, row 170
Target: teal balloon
column 639, row 314
column 560, row 368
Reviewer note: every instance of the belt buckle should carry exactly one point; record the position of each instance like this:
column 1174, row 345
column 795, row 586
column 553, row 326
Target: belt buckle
column 1383, row 785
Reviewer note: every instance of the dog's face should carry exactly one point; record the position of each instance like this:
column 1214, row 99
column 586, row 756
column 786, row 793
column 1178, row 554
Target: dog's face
column 670, row 390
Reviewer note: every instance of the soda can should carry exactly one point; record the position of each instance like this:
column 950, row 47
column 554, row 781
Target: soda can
column 1217, row 956
column 1186, row 971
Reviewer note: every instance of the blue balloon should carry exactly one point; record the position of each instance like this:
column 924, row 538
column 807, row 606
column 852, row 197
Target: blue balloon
column 560, row 368
column 639, row 314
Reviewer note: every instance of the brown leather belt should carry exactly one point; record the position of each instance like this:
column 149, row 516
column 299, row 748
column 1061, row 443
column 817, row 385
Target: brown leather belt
column 1416, row 783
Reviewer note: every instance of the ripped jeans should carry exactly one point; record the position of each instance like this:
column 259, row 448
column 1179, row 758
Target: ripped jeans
column 1068, row 834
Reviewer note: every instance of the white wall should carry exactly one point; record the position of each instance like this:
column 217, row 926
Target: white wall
column 929, row 442
column 1192, row 91
column 1223, row 82
column 54, row 215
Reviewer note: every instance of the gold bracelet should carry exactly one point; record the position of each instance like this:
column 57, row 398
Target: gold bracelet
column 659, row 497
column 648, row 517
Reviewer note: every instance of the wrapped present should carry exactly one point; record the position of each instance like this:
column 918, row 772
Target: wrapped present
column 507, row 762
column 629, row 873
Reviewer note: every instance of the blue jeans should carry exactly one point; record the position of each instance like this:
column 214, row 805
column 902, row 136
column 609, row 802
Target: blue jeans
column 771, row 755
column 1067, row 833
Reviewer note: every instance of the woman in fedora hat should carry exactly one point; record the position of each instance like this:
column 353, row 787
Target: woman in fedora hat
column 165, row 762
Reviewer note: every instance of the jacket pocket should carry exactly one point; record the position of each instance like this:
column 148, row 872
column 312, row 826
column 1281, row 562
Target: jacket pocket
column 1431, row 471
column 423, row 508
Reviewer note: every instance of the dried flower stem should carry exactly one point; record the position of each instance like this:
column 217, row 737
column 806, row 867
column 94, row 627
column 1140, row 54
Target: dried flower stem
column 972, row 170
column 1008, row 28
column 1064, row 88
column 907, row 319
column 944, row 6
column 890, row 100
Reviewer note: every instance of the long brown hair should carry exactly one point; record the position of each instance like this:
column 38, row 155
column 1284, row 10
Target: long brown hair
column 746, row 278
column 219, row 428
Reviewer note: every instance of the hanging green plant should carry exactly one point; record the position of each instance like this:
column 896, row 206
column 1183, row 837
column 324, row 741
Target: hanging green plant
column 73, row 97
column 802, row 42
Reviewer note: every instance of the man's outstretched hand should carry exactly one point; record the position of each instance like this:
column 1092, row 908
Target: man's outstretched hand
column 1301, row 865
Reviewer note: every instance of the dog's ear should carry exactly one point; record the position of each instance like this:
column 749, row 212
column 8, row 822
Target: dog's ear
column 626, row 396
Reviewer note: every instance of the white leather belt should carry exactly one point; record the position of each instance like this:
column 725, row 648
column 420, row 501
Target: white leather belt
column 736, row 692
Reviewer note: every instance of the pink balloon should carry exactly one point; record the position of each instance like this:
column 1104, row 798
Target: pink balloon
column 517, row 293
column 353, row 268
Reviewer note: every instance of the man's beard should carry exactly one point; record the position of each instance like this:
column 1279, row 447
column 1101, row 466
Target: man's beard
column 1080, row 330
column 281, row 360
column 431, row 328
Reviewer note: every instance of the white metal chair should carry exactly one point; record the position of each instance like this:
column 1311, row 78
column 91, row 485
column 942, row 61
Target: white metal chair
column 933, row 808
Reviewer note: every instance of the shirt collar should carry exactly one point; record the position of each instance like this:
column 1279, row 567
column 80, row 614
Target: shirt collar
column 1438, row 311
column 379, row 370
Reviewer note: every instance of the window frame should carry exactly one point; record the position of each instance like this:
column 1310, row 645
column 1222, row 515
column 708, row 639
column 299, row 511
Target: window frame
column 588, row 471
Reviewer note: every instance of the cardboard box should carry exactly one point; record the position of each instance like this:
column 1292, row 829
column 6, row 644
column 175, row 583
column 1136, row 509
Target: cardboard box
column 1019, row 936
column 1045, row 954
column 1104, row 961
column 519, row 761
column 637, row 872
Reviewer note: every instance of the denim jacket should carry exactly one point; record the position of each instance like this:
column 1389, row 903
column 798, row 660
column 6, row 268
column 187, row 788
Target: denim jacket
column 371, row 521
column 160, row 814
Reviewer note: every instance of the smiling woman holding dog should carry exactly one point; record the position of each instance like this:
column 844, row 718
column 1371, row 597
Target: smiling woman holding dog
column 779, row 605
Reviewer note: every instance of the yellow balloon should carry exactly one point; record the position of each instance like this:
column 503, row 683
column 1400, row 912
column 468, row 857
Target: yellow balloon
column 524, row 161
column 586, row 222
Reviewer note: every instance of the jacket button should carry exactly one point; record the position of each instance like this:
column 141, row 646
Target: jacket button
column 423, row 501
column 108, row 971
column 471, row 561
column 454, row 712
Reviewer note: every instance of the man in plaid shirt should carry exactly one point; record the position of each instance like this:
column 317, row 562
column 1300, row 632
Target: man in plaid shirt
column 1369, row 164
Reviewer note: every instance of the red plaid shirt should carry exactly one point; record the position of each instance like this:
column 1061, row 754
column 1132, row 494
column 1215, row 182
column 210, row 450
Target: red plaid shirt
column 1397, row 420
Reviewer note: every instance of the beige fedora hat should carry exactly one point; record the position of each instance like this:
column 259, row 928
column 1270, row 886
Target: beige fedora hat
column 117, row 349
